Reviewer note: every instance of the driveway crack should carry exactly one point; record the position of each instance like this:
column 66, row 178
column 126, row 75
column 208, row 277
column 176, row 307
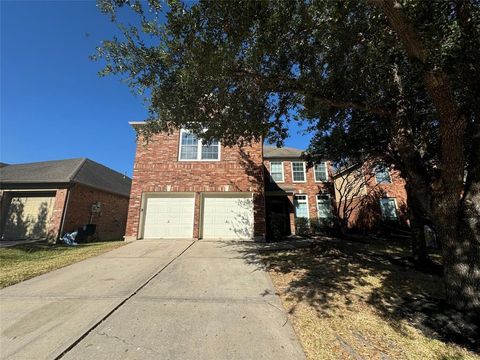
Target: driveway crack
column 94, row 326
column 127, row 343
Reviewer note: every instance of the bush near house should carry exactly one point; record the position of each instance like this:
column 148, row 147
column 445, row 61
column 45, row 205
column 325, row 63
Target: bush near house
column 302, row 226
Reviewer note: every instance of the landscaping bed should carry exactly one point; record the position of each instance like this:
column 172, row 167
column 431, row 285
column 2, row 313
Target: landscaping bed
column 349, row 300
column 22, row 262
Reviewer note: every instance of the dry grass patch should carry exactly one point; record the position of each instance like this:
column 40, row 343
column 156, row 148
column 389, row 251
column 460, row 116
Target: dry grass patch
column 349, row 302
column 19, row 263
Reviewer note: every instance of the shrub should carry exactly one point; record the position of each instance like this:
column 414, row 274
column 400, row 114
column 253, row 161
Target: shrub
column 302, row 226
column 277, row 225
column 321, row 225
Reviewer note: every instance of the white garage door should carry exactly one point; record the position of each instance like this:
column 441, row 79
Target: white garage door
column 228, row 217
column 169, row 217
column 28, row 217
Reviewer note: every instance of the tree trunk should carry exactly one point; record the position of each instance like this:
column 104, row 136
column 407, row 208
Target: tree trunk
column 419, row 245
column 458, row 234
column 461, row 261
column 417, row 222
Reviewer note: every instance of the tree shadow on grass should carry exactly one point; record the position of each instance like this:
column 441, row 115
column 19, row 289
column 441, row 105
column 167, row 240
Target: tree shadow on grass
column 357, row 271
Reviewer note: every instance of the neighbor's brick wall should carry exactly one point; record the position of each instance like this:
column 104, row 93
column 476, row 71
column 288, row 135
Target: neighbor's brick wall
column 53, row 228
column 368, row 214
column 309, row 188
column 157, row 169
column 111, row 221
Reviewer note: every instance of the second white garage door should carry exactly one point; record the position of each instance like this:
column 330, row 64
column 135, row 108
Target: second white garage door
column 228, row 217
column 169, row 217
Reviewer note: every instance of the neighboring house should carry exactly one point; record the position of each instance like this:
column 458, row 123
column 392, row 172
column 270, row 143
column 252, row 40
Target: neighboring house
column 183, row 188
column 46, row 199
column 370, row 194
column 294, row 190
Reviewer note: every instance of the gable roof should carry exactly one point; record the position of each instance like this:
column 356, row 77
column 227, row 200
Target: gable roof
column 273, row 152
column 81, row 171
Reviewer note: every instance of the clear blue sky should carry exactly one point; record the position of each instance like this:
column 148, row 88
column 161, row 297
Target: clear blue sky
column 53, row 104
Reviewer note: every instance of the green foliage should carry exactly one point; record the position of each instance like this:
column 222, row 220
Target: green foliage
column 243, row 69
column 302, row 226
column 277, row 225
column 321, row 226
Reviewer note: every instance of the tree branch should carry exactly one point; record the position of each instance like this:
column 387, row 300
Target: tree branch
column 440, row 89
column 292, row 85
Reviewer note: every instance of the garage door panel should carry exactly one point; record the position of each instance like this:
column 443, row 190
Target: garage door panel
column 28, row 217
column 228, row 218
column 169, row 217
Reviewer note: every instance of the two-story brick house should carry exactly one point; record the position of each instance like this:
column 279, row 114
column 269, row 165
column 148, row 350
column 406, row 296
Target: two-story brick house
column 183, row 188
column 370, row 194
column 294, row 190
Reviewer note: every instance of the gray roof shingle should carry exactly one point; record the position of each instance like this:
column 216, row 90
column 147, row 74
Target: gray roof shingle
column 272, row 152
column 81, row 171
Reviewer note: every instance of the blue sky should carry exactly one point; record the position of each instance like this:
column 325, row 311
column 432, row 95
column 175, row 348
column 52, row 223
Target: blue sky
column 53, row 103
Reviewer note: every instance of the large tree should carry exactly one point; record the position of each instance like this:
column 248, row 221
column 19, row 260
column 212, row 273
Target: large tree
column 380, row 77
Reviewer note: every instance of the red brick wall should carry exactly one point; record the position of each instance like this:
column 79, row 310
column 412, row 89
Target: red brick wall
column 157, row 169
column 110, row 221
column 367, row 215
column 309, row 188
column 56, row 219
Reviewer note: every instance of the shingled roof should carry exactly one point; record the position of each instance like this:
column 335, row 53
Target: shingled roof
column 272, row 152
column 81, row 171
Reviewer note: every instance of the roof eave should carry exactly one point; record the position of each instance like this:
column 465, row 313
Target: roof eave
column 282, row 157
column 136, row 124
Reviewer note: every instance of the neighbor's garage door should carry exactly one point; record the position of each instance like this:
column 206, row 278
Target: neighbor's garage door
column 28, row 217
column 228, row 217
column 169, row 216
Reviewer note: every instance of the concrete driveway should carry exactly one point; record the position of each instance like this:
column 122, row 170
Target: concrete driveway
column 156, row 299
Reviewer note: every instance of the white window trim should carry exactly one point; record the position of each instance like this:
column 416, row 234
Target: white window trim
column 315, row 174
column 396, row 208
column 283, row 172
column 306, row 201
column 330, row 203
column 199, row 149
column 304, row 172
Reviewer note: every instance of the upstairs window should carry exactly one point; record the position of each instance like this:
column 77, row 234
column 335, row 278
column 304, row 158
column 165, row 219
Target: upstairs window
column 389, row 208
column 320, row 171
column 324, row 207
column 210, row 150
column 382, row 175
column 298, row 171
column 301, row 206
column 276, row 171
column 192, row 148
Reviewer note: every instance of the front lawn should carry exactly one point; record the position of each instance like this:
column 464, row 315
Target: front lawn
column 22, row 262
column 351, row 300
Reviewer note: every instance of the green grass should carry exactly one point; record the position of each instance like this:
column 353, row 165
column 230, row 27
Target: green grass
column 19, row 263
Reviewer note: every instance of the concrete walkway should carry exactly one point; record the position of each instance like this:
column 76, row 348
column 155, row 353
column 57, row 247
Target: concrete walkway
column 157, row 299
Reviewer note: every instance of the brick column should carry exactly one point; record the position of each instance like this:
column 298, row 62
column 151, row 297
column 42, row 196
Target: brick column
column 291, row 210
column 196, row 216
column 55, row 224
column 259, row 224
